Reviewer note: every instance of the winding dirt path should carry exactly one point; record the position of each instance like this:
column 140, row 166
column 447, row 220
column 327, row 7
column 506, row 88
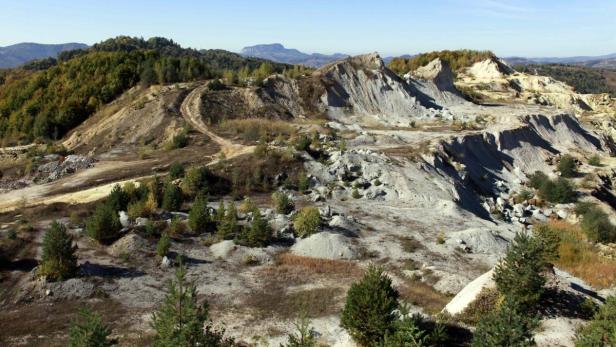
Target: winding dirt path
column 77, row 188
column 190, row 110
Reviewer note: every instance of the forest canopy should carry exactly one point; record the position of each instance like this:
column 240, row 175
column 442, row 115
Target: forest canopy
column 457, row 60
column 47, row 98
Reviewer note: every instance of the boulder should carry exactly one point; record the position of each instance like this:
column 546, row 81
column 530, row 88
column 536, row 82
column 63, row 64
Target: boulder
column 326, row 245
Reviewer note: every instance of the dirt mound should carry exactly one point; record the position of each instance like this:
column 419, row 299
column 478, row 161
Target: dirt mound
column 490, row 69
column 140, row 116
column 325, row 245
column 436, row 80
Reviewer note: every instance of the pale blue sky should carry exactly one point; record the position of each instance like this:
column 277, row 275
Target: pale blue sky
column 391, row 27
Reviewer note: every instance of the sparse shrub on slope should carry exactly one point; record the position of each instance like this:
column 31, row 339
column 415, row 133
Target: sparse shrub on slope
column 303, row 336
column 181, row 321
column 370, row 310
column 163, row 245
column 559, row 191
column 507, row 327
column 596, row 223
column 307, row 221
column 567, row 166
column 104, row 224
column 195, row 181
column 176, row 170
column 282, row 202
column 518, row 276
column 602, row 329
column 90, row 331
column 59, row 261
column 595, row 160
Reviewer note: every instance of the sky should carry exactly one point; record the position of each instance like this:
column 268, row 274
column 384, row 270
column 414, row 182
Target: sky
column 390, row 27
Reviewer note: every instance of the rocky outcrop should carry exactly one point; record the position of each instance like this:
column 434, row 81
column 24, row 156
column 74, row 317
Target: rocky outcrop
column 437, row 81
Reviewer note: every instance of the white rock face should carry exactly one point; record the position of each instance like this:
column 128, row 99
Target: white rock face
column 436, row 80
column 467, row 295
column 490, row 69
column 325, row 245
column 124, row 220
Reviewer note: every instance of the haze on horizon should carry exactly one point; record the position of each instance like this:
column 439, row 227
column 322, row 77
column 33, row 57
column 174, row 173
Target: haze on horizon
column 509, row 28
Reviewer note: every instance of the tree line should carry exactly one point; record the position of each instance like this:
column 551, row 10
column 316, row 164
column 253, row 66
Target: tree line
column 46, row 99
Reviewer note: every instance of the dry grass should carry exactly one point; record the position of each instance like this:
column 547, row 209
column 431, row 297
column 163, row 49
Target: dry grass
column 292, row 270
column 423, row 295
column 581, row 258
column 275, row 299
column 253, row 129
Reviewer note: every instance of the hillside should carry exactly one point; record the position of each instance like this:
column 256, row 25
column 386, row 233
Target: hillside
column 457, row 60
column 47, row 102
column 603, row 61
column 278, row 53
column 289, row 202
column 18, row 54
column 585, row 80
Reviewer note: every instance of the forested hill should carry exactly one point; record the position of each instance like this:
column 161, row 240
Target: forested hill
column 45, row 99
column 583, row 79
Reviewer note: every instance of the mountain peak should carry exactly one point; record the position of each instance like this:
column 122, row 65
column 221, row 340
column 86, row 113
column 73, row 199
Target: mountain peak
column 279, row 53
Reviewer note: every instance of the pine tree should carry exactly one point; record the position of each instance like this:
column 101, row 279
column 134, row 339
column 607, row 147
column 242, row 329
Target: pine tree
column 90, row 331
column 104, row 224
column 117, row 199
column 59, row 261
column 220, row 212
column 259, row 234
column 601, row 331
column 507, row 327
column 303, row 337
column 180, row 321
column 163, row 245
column 199, row 216
column 370, row 310
column 228, row 225
column 518, row 276
column 172, row 197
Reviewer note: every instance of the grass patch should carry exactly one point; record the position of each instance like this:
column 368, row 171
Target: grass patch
column 486, row 302
column 423, row 295
column 581, row 258
column 251, row 130
column 275, row 301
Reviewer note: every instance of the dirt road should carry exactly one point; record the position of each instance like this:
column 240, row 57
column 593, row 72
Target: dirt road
column 82, row 187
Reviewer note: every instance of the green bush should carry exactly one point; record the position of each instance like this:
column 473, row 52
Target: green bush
column 259, row 234
column 58, row 261
column 90, row 331
column 104, row 224
column 537, row 179
column 199, row 215
column 180, row 140
column 355, row 194
column 176, row 170
column 302, row 142
column 163, row 245
column 594, row 160
column 559, row 191
column 282, row 203
column 172, row 197
column 602, row 329
column 182, row 320
column 228, row 221
column 369, row 313
column 303, row 337
column 518, row 276
column 195, row 181
column 567, row 166
column 302, row 182
column 596, row 223
column 117, row 199
column 176, row 227
column 307, row 221
column 506, row 327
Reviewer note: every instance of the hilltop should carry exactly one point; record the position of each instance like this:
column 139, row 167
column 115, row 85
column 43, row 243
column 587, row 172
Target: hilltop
column 278, row 53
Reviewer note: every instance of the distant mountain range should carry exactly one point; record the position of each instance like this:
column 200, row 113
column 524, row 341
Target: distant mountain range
column 18, row 54
column 602, row 61
column 278, row 53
